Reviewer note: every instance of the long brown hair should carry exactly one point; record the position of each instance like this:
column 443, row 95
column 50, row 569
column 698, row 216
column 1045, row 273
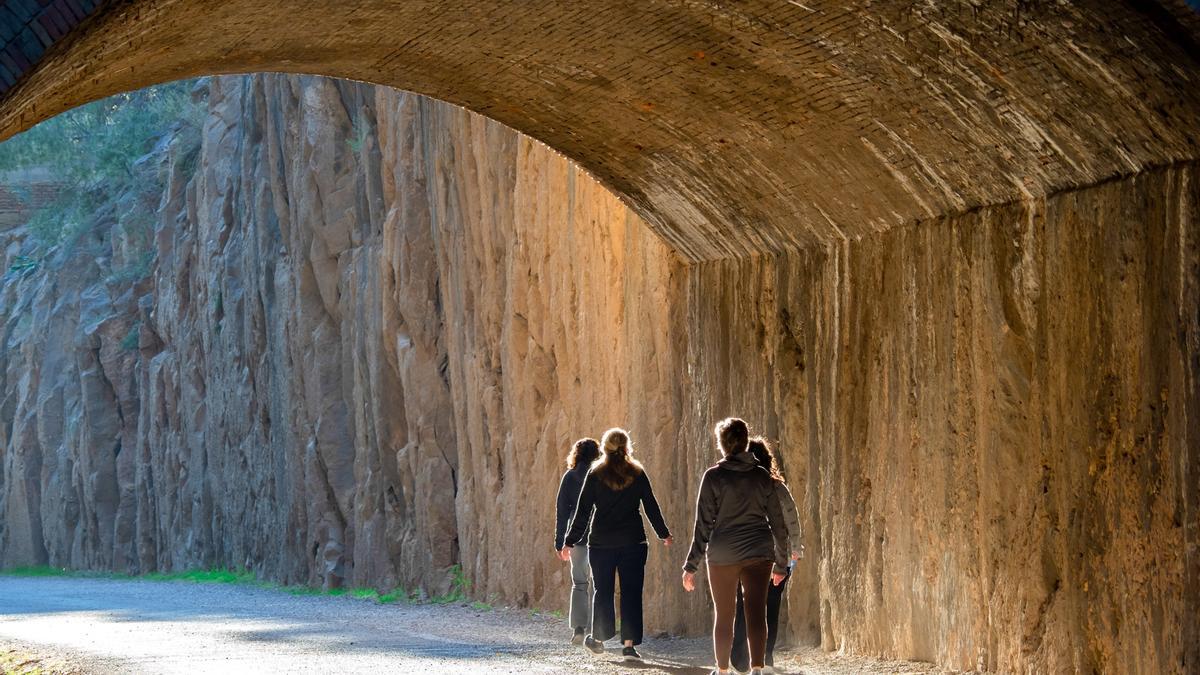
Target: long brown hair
column 616, row 468
column 583, row 453
column 765, row 457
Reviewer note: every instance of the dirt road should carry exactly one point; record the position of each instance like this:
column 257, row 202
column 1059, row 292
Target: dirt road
column 134, row 626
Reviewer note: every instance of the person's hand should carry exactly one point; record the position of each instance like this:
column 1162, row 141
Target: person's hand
column 668, row 540
column 564, row 553
column 795, row 555
column 689, row 581
column 777, row 578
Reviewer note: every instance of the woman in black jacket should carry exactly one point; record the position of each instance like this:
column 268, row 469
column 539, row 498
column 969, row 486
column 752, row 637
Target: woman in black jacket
column 616, row 489
column 579, row 460
column 740, row 530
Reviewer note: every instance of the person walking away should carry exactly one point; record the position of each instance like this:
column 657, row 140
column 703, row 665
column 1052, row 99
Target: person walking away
column 740, row 531
column 616, row 490
column 739, row 657
column 579, row 460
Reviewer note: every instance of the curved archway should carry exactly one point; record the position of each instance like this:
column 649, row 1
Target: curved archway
column 953, row 348
column 755, row 127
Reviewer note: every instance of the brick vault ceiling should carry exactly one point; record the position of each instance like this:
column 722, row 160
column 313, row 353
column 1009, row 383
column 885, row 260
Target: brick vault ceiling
column 734, row 128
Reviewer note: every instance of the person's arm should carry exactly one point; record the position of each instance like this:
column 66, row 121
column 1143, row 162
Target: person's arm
column 790, row 517
column 779, row 529
column 706, row 514
column 653, row 513
column 566, row 508
column 583, row 511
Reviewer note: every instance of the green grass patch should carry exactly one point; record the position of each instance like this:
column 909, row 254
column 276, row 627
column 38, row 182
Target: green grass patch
column 213, row 576
column 398, row 595
column 456, row 594
column 458, row 588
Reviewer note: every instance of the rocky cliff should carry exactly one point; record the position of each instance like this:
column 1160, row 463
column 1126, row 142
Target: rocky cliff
column 374, row 323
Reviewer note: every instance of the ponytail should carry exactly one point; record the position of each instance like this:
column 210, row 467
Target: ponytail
column 616, row 468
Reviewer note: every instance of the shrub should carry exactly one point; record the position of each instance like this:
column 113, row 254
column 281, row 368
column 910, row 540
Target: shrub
column 130, row 341
column 105, row 149
column 458, row 587
column 23, row 263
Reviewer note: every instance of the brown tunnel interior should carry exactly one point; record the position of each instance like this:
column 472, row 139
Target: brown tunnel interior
column 901, row 239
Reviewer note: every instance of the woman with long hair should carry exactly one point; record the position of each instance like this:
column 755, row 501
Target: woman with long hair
column 616, row 490
column 740, row 530
column 579, row 460
column 740, row 656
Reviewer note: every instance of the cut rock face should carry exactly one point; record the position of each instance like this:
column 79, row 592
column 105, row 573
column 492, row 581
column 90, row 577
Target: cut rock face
column 376, row 323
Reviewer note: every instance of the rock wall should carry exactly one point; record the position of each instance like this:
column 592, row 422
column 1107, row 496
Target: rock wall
column 375, row 323
column 995, row 421
column 288, row 401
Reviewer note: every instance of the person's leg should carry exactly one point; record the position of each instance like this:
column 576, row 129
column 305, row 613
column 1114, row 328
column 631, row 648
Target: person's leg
column 632, row 570
column 774, row 602
column 604, row 572
column 581, row 588
column 755, row 578
column 722, row 583
column 739, row 656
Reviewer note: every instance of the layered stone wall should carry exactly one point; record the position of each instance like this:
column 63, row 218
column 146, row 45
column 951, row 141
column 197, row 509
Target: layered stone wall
column 994, row 421
column 376, row 322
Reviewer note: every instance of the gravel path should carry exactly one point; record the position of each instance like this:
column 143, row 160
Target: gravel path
column 134, row 626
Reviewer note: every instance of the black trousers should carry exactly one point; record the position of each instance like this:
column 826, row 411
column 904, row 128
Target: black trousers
column 739, row 657
column 628, row 563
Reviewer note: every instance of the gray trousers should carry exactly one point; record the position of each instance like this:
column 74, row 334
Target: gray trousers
column 581, row 588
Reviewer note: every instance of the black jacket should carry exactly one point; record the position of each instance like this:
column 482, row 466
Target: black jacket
column 738, row 516
column 568, row 497
column 618, row 520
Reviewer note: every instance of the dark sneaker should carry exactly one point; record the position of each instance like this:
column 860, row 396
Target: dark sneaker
column 593, row 646
column 577, row 638
column 631, row 654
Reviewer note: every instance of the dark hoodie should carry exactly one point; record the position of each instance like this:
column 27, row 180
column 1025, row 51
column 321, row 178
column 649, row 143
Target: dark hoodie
column 738, row 516
column 568, row 497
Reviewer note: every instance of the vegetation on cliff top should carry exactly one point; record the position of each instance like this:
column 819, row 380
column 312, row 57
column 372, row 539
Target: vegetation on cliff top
column 108, row 157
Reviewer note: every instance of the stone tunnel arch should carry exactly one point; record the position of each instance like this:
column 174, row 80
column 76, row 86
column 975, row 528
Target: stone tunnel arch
column 733, row 129
column 777, row 127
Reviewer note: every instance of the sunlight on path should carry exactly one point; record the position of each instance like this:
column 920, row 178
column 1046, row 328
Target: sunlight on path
column 108, row 626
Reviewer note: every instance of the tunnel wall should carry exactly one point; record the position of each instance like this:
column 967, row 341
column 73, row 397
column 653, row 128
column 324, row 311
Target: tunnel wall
column 375, row 323
column 994, row 418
